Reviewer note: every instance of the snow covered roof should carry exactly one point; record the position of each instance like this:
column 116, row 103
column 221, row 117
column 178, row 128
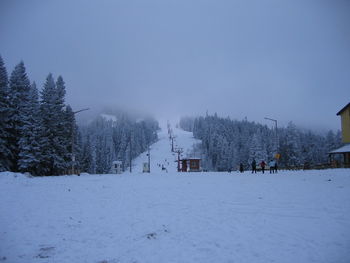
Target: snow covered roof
column 343, row 149
column 348, row 105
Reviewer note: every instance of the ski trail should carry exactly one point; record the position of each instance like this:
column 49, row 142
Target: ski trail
column 161, row 154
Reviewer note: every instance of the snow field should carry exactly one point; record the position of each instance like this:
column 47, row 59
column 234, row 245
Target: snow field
column 163, row 216
column 202, row 217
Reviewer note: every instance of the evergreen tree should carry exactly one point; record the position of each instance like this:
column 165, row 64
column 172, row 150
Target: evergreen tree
column 227, row 143
column 86, row 156
column 29, row 142
column 5, row 153
column 257, row 149
column 19, row 97
column 65, row 130
column 105, row 141
column 70, row 138
column 54, row 143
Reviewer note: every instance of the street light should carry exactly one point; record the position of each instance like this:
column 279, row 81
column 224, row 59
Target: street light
column 149, row 159
column 275, row 121
column 73, row 156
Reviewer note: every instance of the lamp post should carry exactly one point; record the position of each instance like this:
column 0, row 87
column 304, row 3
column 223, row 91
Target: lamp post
column 130, row 153
column 73, row 156
column 149, row 159
column 275, row 121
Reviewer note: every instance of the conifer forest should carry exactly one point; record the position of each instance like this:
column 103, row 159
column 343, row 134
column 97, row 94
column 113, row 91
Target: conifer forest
column 40, row 136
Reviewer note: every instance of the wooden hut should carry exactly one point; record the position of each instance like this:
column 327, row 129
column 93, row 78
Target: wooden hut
column 345, row 152
column 344, row 113
column 190, row 165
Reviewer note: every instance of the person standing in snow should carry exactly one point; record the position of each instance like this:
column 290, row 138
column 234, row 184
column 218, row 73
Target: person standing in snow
column 275, row 166
column 241, row 168
column 254, row 166
column 262, row 165
column 272, row 165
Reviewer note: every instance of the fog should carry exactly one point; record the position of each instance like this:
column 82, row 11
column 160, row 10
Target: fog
column 287, row 60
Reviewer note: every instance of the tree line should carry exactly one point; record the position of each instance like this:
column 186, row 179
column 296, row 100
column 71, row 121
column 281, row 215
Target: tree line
column 226, row 143
column 106, row 140
column 39, row 134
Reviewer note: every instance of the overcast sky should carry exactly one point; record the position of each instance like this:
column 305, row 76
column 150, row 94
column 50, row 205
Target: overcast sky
column 288, row 60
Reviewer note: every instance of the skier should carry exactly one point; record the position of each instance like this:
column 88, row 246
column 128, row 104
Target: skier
column 262, row 165
column 254, row 166
column 241, row 169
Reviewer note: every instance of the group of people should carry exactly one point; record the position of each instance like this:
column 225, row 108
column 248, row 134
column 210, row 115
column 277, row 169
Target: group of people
column 272, row 165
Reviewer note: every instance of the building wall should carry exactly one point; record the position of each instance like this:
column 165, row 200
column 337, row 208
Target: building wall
column 345, row 125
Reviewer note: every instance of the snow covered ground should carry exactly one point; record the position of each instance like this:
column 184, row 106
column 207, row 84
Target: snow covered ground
column 299, row 216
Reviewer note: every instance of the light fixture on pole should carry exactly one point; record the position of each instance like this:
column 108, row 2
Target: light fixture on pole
column 275, row 121
column 72, row 151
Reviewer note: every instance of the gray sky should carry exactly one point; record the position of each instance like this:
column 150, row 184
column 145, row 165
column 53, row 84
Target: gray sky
column 288, row 60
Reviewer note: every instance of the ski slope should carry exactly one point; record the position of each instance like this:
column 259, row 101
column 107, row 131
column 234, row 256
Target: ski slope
column 299, row 216
column 161, row 154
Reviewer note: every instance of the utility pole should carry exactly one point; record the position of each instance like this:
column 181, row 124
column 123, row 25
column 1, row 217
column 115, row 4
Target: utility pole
column 178, row 151
column 72, row 134
column 172, row 137
column 172, row 144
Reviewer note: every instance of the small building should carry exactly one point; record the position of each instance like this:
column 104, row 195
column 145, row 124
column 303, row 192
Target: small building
column 345, row 123
column 190, row 165
column 344, row 150
column 116, row 167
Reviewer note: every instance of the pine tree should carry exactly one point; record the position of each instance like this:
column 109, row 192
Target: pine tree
column 70, row 138
column 53, row 142
column 65, row 129
column 257, row 149
column 86, row 156
column 5, row 153
column 291, row 146
column 105, row 141
column 47, row 116
column 18, row 99
column 29, row 142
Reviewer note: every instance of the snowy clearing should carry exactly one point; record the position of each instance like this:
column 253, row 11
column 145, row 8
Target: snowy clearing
column 297, row 216
column 202, row 217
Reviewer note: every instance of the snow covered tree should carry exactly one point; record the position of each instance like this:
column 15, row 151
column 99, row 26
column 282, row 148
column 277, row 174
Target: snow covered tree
column 70, row 138
column 105, row 141
column 227, row 143
column 54, row 143
column 5, row 153
column 257, row 148
column 86, row 156
column 30, row 139
column 19, row 97
column 290, row 146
